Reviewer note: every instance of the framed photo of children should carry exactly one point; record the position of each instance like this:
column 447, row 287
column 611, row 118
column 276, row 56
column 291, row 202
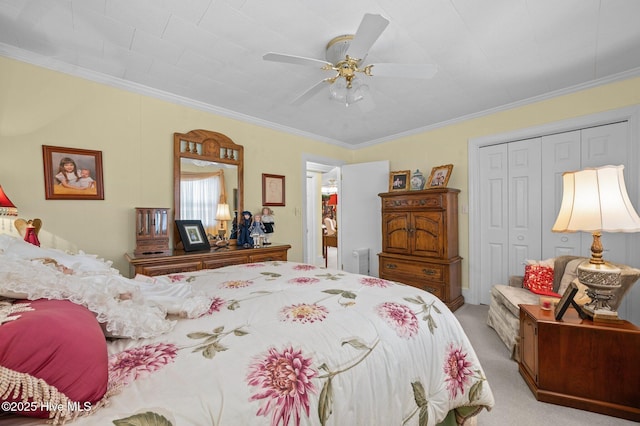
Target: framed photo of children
column 72, row 174
column 399, row 180
column 440, row 176
column 272, row 190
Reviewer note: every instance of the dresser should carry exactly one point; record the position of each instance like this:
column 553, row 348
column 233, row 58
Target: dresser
column 581, row 364
column 420, row 242
column 180, row 261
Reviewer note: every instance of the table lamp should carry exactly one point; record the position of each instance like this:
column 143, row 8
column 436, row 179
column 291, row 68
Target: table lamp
column 595, row 200
column 222, row 214
column 7, row 208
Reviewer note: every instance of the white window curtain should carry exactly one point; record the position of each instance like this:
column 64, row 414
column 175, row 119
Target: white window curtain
column 205, row 190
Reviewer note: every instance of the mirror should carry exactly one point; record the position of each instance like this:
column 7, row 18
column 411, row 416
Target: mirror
column 207, row 170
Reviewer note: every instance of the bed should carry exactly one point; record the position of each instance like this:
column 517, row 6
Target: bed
column 272, row 343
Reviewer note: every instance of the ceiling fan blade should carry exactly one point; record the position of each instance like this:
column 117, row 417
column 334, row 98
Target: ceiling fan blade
column 296, row 60
column 368, row 32
column 309, row 93
column 404, row 70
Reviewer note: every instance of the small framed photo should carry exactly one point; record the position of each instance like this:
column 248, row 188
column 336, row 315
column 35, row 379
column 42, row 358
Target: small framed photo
column 440, row 176
column 566, row 300
column 192, row 235
column 272, row 190
column 399, row 180
column 72, row 174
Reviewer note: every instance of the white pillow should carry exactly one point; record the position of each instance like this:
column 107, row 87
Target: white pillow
column 79, row 263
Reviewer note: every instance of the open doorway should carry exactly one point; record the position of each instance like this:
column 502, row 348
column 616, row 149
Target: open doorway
column 358, row 212
column 321, row 213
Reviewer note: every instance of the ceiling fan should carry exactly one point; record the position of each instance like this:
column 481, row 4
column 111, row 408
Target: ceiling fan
column 346, row 56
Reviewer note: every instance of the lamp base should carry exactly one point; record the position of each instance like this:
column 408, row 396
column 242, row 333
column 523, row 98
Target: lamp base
column 606, row 316
column 602, row 280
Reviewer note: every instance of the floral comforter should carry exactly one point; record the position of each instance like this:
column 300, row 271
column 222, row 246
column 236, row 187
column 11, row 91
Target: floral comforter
column 286, row 343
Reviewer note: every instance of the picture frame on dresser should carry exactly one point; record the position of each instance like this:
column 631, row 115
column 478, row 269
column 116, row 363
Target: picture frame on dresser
column 439, row 177
column 192, row 234
column 399, row 180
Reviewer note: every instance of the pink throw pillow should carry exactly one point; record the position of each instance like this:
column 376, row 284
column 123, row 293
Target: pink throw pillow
column 539, row 279
column 61, row 343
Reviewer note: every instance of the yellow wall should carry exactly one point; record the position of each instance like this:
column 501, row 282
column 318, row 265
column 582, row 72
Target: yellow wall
column 448, row 145
column 135, row 134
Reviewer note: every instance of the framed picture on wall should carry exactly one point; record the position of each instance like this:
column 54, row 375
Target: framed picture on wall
column 272, row 190
column 72, row 174
column 399, row 180
column 440, row 175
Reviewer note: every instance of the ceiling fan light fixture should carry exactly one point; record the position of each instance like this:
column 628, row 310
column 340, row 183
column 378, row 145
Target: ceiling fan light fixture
column 341, row 92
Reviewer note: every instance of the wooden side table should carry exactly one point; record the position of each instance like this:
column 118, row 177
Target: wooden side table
column 581, row 364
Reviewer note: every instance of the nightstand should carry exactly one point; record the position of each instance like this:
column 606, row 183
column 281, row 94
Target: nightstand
column 581, row 364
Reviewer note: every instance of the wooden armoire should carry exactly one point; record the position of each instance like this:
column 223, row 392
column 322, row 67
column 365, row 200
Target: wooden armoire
column 420, row 242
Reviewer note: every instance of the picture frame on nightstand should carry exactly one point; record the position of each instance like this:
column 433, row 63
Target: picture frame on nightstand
column 567, row 300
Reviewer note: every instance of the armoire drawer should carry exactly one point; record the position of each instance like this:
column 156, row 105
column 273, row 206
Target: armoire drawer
column 414, row 270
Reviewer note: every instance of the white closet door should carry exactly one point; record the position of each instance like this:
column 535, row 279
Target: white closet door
column 561, row 153
column 494, row 218
column 601, row 146
column 524, row 203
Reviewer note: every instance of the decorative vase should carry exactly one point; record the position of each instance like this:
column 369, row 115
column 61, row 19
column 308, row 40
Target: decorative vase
column 417, row 180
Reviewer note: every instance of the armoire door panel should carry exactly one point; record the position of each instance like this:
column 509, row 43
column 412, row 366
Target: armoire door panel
column 395, row 230
column 427, row 227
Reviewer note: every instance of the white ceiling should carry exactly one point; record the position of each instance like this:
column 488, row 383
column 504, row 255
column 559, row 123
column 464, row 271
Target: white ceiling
column 208, row 53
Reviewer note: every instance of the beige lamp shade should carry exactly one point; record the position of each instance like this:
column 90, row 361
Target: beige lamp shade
column 223, row 212
column 596, row 199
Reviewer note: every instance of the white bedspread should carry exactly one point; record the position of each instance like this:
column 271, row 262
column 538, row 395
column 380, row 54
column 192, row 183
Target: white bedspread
column 286, row 343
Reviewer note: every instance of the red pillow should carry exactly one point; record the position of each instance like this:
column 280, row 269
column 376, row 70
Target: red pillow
column 539, row 279
column 61, row 343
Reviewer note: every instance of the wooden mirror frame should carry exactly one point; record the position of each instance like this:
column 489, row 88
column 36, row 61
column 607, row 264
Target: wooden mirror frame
column 210, row 146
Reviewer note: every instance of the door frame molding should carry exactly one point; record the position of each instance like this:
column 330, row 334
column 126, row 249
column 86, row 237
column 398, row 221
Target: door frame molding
column 629, row 114
column 311, row 158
